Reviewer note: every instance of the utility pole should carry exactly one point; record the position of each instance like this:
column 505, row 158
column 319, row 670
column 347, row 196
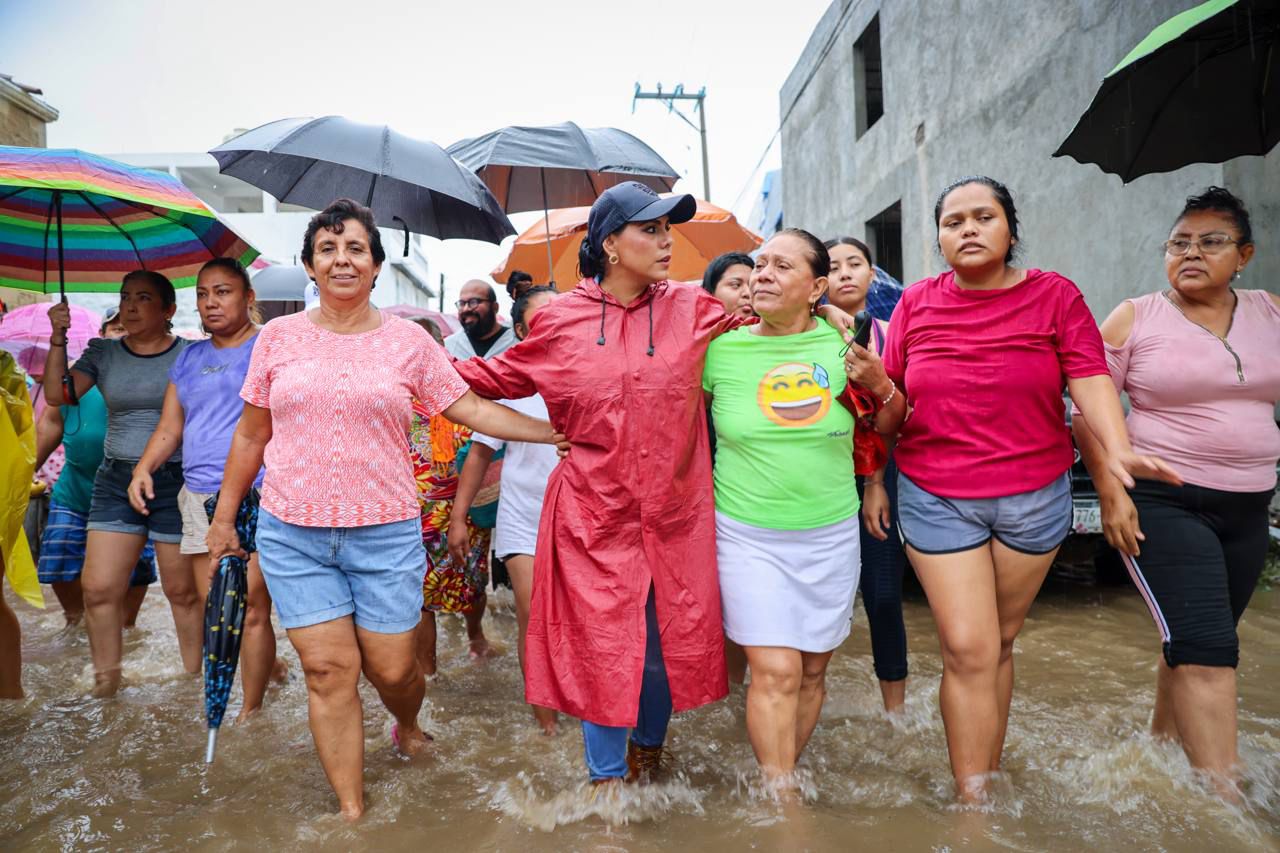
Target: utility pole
column 679, row 94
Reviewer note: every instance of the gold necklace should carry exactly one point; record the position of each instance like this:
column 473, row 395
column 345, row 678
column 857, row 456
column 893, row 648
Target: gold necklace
column 1221, row 338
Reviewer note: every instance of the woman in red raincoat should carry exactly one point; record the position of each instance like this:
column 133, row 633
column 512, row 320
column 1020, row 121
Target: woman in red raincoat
column 625, row 622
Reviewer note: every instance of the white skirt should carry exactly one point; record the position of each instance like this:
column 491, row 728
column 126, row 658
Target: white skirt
column 788, row 588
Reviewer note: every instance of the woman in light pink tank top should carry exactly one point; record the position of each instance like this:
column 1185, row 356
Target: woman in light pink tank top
column 1201, row 365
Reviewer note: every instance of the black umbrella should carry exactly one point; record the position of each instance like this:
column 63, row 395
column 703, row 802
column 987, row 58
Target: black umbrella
column 1203, row 87
column 310, row 162
column 224, row 618
column 539, row 168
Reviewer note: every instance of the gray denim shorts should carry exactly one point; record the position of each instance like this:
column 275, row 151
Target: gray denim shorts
column 1031, row 522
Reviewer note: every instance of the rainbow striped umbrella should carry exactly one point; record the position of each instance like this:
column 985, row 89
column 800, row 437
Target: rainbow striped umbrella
column 74, row 221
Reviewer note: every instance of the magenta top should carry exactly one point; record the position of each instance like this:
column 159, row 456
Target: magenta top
column 1205, row 406
column 984, row 372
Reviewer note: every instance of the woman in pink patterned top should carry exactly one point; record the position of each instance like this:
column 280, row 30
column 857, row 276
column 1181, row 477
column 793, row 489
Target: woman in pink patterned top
column 327, row 406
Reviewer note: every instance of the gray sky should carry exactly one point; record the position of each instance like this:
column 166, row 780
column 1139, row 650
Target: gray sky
column 147, row 75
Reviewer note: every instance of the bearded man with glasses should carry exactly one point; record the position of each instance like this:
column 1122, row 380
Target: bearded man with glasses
column 450, row 586
column 481, row 333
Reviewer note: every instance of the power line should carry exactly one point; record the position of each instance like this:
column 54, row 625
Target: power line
column 700, row 108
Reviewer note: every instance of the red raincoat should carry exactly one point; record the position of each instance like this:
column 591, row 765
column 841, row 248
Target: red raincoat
column 630, row 506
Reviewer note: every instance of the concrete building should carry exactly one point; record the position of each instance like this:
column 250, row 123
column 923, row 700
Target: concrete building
column 893, row 99
column 23, row 118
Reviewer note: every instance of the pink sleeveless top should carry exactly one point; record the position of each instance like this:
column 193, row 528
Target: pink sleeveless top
column 1206, row 408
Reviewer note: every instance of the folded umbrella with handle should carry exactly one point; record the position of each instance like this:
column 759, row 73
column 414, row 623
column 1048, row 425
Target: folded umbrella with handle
column 224, row 617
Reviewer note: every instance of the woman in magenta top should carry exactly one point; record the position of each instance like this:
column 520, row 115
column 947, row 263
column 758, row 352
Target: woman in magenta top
column 328, row 398
column 1201, row 364
column 982, row 353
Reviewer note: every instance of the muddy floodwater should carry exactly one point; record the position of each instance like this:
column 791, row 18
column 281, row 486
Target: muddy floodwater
column 83, row 774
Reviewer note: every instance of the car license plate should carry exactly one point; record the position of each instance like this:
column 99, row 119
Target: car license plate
column 1087, row 517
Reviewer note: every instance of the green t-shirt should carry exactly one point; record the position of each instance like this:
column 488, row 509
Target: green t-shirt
column 84, row 430
column 784, row 442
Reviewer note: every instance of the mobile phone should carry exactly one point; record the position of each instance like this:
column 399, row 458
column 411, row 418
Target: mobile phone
column 862, row 328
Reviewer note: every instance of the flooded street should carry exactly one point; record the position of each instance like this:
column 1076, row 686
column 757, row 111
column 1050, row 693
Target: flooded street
column 1081, row 773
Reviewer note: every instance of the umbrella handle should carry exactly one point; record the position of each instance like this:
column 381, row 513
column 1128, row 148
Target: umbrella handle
column 404, row 225
column 62, row 266
column 546, row 226
column 213, row 742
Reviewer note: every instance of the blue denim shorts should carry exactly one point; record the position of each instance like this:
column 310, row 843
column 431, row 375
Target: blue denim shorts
column 318, row 574
column 1031, row 522
column 110, row 510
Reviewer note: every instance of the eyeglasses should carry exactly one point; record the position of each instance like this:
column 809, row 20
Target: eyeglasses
column 471, row 303
column 1211, row 244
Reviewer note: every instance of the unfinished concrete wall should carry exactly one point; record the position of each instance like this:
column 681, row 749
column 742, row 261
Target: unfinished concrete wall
column 22, row 115
column 20, row 127
column 990, row 87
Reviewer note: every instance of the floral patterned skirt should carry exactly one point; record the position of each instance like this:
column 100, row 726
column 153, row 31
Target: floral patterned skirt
column 448, row 588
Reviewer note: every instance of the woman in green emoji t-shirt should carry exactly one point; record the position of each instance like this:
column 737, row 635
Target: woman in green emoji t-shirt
column 786, row 502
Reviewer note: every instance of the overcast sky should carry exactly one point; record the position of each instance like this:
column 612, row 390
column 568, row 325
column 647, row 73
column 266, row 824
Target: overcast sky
column 147, row 75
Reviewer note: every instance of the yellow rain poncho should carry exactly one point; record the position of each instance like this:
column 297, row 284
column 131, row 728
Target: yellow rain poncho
column 17, row 467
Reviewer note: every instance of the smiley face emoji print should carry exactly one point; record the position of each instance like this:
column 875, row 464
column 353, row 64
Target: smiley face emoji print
column 795, row 394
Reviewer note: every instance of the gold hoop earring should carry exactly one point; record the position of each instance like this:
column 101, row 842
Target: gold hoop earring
column 613, row 259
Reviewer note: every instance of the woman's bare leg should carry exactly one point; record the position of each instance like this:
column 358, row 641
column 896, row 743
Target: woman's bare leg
column 109, row 560
column 520, row 568
column 813, row 690
column 474, row 619
column 10, row 648
column 1204, row 707
column 185, row 601
column 773, row 703
column 736, row 661
column 894, row 694
column 392, row 668
column 1019, row 577
column 1164, row 723
column 330, row 656
column 258, row 654
column 962, row 595
column 426, row 643
column 133, row 598
column 71, row 600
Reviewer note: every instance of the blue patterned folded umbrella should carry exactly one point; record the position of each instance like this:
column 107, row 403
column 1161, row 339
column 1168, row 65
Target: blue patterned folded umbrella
column 224, row 617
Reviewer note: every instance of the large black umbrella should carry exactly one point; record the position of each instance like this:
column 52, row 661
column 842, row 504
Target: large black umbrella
column 224, row 618
column 310, row 162
column 1203, row 87
column 539, row 168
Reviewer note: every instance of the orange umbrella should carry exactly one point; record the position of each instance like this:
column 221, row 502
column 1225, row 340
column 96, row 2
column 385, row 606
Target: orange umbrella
column 712, row 231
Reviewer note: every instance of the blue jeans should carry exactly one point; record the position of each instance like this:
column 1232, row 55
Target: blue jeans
column 606, row 746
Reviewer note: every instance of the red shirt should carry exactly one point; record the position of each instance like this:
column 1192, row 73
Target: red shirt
column 984, row 372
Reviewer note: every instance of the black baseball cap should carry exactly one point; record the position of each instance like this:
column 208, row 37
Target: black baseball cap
column 634, row 202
